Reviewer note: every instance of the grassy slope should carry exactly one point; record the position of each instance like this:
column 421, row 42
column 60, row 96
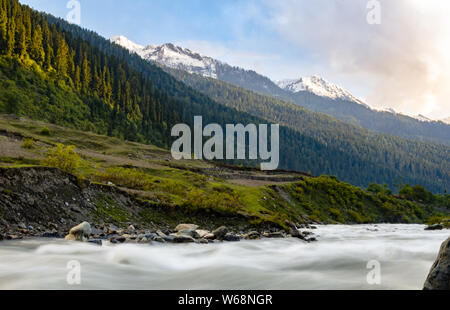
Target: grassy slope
column 191, row 187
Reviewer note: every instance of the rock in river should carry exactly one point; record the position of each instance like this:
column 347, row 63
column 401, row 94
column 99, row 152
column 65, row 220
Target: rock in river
column 439, row 277
column 435, row 227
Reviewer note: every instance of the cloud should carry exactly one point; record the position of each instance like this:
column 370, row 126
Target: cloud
column 404, row 62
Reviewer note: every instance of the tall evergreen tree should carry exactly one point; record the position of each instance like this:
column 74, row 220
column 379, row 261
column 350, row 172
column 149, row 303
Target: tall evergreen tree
column 36, row 49
column 3, row 26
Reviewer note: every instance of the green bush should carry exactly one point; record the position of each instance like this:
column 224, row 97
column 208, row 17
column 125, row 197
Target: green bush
column 377, row 188
column 28, row 143
column 416, row 193
column 63, row 157
column 131, row 178
column 45, row 131
column 224, row 202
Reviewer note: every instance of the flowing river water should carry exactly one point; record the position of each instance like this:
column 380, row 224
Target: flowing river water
column 339, row 260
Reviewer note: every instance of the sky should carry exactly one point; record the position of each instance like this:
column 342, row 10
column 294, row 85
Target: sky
column 401, row 61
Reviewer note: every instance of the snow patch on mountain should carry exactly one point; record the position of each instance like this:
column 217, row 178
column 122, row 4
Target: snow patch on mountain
column 172, row 56
column 385, row 109
column 422, row 118
column 320, row 87
column 126, row 43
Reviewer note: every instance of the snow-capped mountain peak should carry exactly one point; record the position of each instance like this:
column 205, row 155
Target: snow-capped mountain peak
column 126, row 43
column 320, row 87
column 172, row 56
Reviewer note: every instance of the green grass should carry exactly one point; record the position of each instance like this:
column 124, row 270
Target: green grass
column 108, row 210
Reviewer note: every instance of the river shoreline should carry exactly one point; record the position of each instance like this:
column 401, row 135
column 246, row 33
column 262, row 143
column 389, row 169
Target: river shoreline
column 183, row 233
column 338, row 261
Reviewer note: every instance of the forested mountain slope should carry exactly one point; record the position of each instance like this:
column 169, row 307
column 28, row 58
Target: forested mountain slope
column 66, row 75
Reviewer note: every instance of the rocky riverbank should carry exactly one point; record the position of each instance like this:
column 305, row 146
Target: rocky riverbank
column 40, row 202
column 183, row 233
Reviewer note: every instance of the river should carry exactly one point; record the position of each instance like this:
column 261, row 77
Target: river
column 401, row 255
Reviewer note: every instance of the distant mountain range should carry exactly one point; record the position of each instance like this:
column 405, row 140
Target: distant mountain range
column 314, row 93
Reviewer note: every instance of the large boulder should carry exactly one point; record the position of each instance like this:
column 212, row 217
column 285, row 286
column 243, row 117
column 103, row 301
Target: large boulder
column 80, row 232
column 439, row 277
column 186, row 227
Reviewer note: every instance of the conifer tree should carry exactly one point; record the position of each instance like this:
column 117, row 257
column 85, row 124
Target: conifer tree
column 11, row 31
column 3, row 26
column 36, row 49
column 62, row 57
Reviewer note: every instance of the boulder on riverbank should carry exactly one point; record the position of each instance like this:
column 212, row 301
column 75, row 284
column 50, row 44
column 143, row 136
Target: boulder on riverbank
column 80, row 232
column 186, row 227
column 220, row 232
column 439, row 276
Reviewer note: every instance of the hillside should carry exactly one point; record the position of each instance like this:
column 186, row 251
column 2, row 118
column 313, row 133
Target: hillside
column 119, row 182
column 383, row 149
column 50, row 72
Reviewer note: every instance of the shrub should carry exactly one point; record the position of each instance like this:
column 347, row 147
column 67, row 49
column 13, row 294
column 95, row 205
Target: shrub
column 377, row 188
column 28, row 143
column 223, row 202
column 356, row 217
column 131, row 178
column 416, row 193
column 45, row 131
column 439, row 219
column 63, row 157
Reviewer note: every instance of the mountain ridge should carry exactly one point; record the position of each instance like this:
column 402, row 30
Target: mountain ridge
column 317, row 95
